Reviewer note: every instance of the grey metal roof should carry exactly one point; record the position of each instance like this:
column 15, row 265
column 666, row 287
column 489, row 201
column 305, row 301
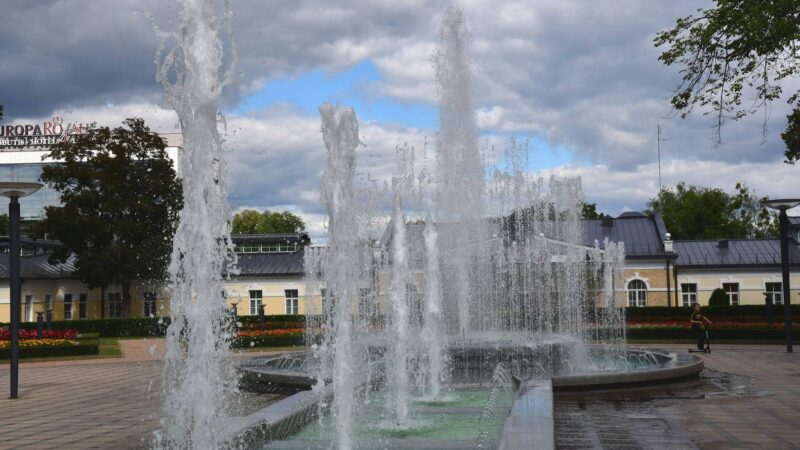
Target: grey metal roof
column 270, row 264
column 740, row 252
column 37, row 266
column 641, row 234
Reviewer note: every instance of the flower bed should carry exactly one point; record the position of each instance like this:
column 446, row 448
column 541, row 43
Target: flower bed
column 38, row 348
column 269, row 338
column 279, row 332
column 727, row 324
column 5, row 335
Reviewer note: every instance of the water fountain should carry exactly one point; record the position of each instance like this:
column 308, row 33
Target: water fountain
column 513, row 300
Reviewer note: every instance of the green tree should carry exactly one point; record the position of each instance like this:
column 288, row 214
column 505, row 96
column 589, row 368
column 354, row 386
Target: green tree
column 738, row 50
column 696, row 212
column 1, row 112
column 250, row 221
column 3, row 224
column 589, row 211
column 121, row 200
column 718, row 298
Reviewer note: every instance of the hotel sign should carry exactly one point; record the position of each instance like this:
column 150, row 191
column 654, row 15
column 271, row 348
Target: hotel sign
column 40, row 135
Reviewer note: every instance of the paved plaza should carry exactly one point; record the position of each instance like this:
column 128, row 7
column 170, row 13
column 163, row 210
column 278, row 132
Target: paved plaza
column 748, row 398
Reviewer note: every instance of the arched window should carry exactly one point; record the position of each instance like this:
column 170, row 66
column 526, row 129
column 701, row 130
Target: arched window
column 637, row 293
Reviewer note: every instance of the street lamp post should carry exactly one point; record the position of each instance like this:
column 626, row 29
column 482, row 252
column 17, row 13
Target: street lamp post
column 15, row 191
column 783, row 205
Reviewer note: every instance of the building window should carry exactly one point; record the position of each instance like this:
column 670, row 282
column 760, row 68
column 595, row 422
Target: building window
column 67, row 306
column 774, row 292
column 414, row 302
column 328, row 305
column 689, row 294
column 732, row 289
column 287, row 248
column 48, row 302
column 637, row 293
column 28, row 308
column 251, row 248
column 255, row 302
column 365, row 303
column 149, row 304
column 83, row 306
column 291, row 301
column 115, row 305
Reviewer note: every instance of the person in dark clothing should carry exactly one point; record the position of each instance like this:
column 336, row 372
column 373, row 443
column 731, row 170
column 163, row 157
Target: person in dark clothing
column 699, row 323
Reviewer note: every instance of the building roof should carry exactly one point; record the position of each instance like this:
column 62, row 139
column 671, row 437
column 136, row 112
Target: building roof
column 643, row 235
column 271, row 264
column 37, row 267
column 733, row 252
column 249, row 264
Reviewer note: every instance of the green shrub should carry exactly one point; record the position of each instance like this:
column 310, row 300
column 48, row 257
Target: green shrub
column 269, row 341
column 675, row 333
column 743, row 313
column 718, row 298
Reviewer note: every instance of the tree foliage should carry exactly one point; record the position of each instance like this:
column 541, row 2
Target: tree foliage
column 718, row 298
column 696, row 212
column 121, row 200
column 250, row 221
column 736, row 50
column 589, row 211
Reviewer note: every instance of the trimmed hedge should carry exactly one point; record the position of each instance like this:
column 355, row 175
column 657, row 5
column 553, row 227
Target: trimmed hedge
column 673, row 333
column 682, row 313
column 84, row 347
column 269, row 341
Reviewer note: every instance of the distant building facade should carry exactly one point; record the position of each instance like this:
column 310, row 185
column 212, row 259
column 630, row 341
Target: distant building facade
column 658, row 272
column 23, row 147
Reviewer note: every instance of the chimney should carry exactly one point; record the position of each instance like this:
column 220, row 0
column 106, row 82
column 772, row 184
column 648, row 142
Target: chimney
column 668, row 243
column 722, row 243
column 608, row 222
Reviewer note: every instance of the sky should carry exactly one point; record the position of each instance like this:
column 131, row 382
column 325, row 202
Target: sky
column 579, row 80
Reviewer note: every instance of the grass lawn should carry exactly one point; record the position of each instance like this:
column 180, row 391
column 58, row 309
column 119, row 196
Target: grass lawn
column 109, row 347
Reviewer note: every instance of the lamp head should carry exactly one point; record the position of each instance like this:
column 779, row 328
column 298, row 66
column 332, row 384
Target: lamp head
column 18, row 189
column 781, row 204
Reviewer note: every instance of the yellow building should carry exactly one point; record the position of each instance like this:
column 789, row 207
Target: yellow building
column 748, row 270
column 657, row 272
column 270, row 273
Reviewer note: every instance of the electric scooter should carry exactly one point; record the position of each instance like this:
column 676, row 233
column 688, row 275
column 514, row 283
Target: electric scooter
column 707, row 344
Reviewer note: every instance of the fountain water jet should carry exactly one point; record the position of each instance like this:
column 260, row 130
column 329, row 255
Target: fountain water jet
column 340, row 266
column 398, row 345
column 199, row 379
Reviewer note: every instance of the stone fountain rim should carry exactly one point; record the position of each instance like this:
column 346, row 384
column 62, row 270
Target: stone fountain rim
column 674, row 366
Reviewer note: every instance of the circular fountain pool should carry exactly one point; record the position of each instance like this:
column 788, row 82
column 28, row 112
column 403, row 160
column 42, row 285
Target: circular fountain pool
column 569, row 367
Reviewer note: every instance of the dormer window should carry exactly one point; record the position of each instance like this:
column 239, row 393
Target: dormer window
column 267, row 247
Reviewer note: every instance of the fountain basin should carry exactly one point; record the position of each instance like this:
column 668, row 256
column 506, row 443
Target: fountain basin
column 532, row 407
column 292, row 372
